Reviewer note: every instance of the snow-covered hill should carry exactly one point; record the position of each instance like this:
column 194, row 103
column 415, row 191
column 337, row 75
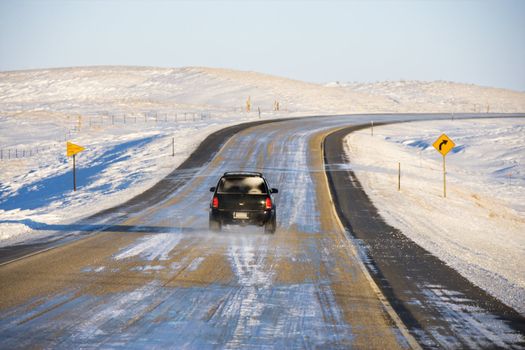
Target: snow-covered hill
column 96, row 90
column 137, row 89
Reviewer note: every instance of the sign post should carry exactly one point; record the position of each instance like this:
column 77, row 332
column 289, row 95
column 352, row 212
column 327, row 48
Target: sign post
column 399, row 176
column 444, row 145
column 71, row 151
column 444, row 178
column 74, row 174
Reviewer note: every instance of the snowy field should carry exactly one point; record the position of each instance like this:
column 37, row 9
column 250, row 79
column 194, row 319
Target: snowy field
column 120, row 162
column 439, row 96
column 479, row 229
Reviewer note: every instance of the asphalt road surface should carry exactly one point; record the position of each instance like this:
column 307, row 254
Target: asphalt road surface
column 150, row 274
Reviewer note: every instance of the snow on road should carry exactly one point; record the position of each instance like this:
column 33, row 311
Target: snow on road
column 479, row 228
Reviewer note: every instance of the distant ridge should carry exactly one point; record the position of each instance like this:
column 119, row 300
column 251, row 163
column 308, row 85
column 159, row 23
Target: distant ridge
column 123, row 88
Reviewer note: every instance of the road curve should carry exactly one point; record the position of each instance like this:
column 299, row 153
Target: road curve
column 149, row 274
column 441, row 308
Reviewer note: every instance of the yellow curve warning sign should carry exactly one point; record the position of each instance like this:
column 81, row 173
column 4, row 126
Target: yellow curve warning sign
column 73, row 149
column 444, row 144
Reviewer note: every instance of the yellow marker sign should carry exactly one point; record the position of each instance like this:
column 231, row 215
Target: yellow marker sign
column 73, row 149
column 444, row 144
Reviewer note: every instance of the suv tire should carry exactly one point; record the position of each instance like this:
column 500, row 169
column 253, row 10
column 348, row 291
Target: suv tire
column 270, row 226
column 215, row 226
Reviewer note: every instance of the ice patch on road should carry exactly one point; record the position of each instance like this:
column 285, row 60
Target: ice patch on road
column 94, row 269
column 263, row 313
column 474, row 326
column 195, row 264
column 148, row 268
column 295, row 206
column 247, row 258
column 119, row 310
column 151, row 247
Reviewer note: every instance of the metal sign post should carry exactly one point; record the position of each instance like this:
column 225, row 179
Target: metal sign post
column 399, row 176
column 444, row 145
column 71, row 151
column 74, row 174
column 444, row 179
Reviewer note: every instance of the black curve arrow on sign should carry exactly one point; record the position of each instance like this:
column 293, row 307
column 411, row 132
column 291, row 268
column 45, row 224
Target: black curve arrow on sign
column 444, row 142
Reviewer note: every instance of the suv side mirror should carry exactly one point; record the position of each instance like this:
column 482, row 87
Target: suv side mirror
column 274, row 190
column 212, row 189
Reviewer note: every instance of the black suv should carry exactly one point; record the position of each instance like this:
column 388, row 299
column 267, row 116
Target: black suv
column 243, row 198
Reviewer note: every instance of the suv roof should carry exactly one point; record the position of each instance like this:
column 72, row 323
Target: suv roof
column 242, row 173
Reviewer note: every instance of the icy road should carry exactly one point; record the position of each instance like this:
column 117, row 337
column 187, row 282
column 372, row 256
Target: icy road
column 158, row 279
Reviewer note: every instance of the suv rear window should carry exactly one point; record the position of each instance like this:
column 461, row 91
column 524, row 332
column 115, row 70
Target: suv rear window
column 242, row 185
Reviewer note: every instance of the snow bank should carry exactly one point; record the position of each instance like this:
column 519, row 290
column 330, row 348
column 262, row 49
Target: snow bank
column 479, row 228
column 14, row 231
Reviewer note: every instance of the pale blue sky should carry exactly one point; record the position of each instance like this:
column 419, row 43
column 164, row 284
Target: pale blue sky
column 480, row 42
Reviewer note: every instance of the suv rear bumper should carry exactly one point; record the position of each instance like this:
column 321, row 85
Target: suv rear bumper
column 227, row 217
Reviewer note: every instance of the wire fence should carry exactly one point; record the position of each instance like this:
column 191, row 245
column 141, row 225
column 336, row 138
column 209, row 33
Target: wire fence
column 77, row 124
column 136, row 118
column 25, row 152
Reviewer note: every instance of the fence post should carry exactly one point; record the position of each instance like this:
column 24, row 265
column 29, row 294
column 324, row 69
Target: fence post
column 399, row 176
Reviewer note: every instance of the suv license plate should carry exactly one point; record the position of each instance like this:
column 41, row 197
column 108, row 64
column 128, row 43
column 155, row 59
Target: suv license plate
column 240, row 215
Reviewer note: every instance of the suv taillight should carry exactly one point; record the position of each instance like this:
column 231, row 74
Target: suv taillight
column 268, row 203
column 215, row 202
